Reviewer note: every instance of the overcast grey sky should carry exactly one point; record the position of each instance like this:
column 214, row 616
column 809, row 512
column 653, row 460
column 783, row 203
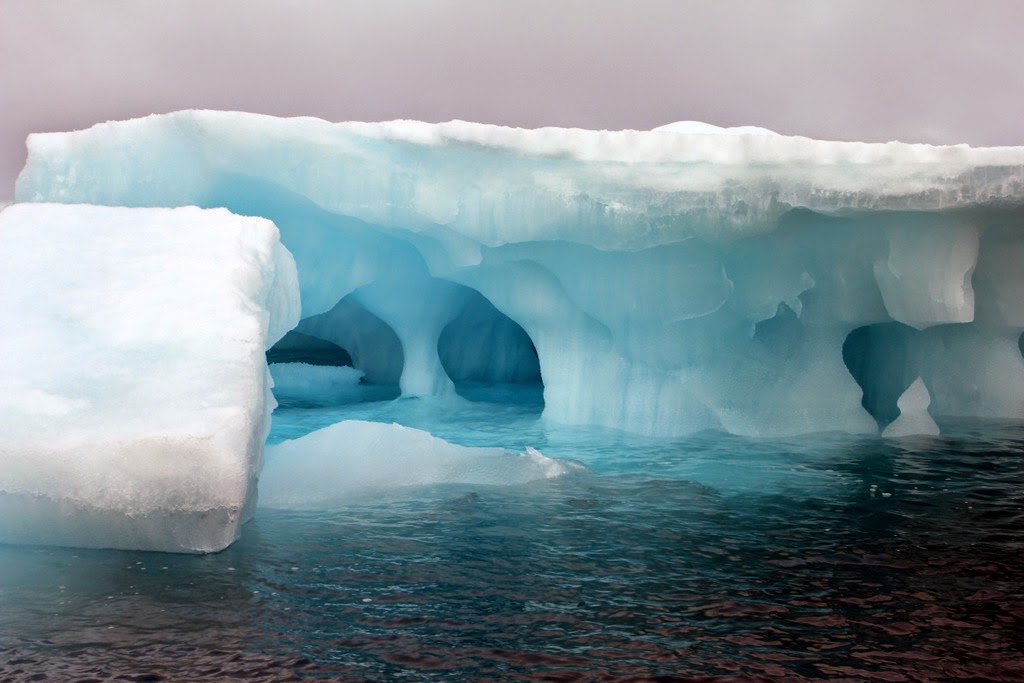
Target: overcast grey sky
column 916, row 70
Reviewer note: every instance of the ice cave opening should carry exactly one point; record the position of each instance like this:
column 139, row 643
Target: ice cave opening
column 479, row 350
column 483, row 345
column 408, row 331
column 880, row 357
column 372, row 344
column 296, row 347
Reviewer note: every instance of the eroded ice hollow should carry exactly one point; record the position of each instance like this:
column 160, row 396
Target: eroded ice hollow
column 134, row 395
column 661, row 282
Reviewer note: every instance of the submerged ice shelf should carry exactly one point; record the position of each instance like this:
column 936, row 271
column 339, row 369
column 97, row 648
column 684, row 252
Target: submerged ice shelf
column 661, row 282
column 350, row 456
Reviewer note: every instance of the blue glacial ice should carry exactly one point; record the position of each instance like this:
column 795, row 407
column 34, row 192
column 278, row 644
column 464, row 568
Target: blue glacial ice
column 661, row 282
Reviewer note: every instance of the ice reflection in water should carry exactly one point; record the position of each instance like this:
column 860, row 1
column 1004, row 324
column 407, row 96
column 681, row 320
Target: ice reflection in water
column 709, row 556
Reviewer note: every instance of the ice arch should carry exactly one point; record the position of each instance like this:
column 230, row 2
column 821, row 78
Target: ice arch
column 482, row 344
column 969, row 371
column 670, row 281
column 372, row 344
column 470, row 339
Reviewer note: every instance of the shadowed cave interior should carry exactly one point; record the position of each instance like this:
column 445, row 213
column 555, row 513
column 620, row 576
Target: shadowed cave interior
column 879, row 357
column 479, row 346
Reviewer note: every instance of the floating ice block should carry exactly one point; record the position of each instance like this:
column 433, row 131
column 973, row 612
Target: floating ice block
column 134, row 392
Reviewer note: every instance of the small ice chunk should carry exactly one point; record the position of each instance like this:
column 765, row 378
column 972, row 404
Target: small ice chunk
column 914, row 418
column 325, row 384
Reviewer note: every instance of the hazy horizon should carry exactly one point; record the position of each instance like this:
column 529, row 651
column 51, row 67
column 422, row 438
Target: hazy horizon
column 936, row 71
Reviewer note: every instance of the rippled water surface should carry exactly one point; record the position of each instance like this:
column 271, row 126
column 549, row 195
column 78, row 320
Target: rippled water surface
column 712, row 556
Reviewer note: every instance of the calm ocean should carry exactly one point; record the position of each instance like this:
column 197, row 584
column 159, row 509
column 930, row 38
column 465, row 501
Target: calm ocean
column 828, row 556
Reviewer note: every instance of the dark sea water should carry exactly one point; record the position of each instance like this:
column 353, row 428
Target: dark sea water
column 707, row 558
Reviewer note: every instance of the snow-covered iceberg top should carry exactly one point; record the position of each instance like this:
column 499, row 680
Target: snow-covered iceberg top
column 495, row 185
column 660, row 281
column 134, row 393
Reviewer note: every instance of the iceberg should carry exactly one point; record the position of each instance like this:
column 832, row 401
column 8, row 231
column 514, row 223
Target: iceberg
column 134, row 392
column 661, row 282
column 354, row 457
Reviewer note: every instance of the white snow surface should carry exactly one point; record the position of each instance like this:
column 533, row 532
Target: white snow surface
column 701, row 128
column 354, row 457
column 134, row 394
column 670, row 281
column 498, row 185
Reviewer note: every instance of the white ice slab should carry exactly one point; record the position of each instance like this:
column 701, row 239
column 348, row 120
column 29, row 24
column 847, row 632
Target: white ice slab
column 134, row 397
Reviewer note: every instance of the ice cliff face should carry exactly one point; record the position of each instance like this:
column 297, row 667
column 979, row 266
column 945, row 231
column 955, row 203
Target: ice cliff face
column 661, row 282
